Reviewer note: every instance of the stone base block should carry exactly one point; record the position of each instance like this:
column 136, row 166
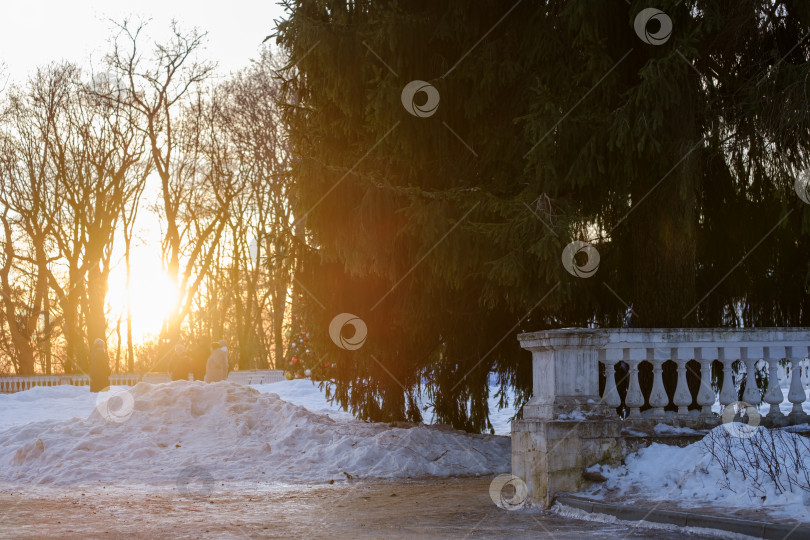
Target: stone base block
column 550, row 456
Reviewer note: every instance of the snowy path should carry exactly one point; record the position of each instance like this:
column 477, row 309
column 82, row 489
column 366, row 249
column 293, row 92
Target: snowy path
column 381, row 509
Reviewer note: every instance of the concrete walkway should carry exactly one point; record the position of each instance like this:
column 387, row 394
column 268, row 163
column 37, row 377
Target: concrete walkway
column 705, row 518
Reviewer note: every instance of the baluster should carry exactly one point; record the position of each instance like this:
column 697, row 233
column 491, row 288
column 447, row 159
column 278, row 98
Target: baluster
column 705, row 395
column 796, row 393
column 805, row 369
column 774, row 394
column 634, row 399
column 728, row 392
column 682, row 397
column 609, row 358
column 658, row 395
column 750, row 356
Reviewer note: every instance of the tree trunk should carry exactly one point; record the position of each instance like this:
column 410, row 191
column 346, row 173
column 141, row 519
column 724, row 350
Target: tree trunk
column 96, row 297
column 75, row 349
column 130, row 345
column 118, row 346
column 279, row 305
column 46, row 332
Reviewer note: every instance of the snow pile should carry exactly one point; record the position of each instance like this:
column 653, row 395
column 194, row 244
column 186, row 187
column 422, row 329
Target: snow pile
column 45, row 403
column 693, row 476
column 150, row 434
column 305, row 393
column 66, row 402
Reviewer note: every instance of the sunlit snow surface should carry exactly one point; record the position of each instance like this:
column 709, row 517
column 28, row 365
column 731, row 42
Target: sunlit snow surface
column 65, row 402
column 172, row 434
column 233, row 433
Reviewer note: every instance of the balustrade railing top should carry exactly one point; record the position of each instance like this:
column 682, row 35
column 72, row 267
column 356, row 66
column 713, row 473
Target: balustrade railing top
column 566, row 371
column 19, row 383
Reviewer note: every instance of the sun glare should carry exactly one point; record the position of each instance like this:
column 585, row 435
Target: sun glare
column 151, row 295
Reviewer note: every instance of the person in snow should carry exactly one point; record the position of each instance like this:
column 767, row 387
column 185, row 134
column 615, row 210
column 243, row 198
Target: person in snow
column 199, row 354
column 217, row 367
column 99, row 367
column 180, row 364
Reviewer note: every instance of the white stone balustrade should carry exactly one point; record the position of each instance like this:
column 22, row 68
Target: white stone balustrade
column 18, row 383
column 566, row 371
column 567, row 426
column 256, row 376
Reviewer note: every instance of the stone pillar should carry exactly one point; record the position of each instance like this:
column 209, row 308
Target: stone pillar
column 565, row 372
column 565, row 426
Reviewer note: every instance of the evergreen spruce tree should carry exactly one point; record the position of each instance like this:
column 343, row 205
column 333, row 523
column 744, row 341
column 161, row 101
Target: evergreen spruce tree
column 673, row 153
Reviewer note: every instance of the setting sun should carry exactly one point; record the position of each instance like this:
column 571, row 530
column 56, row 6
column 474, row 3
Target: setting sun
column 151, row 293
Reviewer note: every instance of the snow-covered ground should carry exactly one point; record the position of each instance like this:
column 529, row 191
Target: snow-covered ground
column 180, row 432
column 66, row 402
column 690, row 477
column 156, row 434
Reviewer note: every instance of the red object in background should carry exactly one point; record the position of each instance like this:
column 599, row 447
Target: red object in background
column 294, row 360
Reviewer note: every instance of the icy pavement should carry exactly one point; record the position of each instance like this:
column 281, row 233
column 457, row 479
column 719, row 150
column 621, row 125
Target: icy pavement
column 448, row 508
